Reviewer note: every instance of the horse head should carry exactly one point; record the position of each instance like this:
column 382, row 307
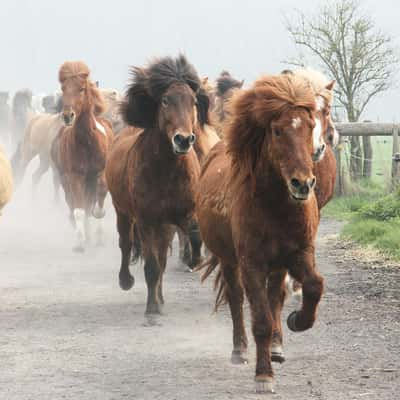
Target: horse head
column 79, row 93
column 271, row 134
column 167, row 96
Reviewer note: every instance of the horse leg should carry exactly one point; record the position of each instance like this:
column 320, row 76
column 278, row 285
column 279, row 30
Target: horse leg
column 233, row 292
column 166, row 240
column 126, row 280
column 303, row 270
column 254, row 281
column 192, row 230
column 98, row 211
column 76, row 200
column 37, row 175
column 185, row 250
column 276, row 292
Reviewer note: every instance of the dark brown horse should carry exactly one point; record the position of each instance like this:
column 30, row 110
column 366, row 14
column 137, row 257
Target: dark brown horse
column 258, row 214
column 152, row 174
column 79, row 151
column 226, row 86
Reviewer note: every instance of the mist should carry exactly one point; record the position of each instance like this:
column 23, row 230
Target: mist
column 246, row 38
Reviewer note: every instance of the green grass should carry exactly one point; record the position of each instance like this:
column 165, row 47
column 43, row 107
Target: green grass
column 373, row 217
column 383, row 235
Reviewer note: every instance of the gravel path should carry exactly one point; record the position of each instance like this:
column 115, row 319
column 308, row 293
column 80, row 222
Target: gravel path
column 67, row 331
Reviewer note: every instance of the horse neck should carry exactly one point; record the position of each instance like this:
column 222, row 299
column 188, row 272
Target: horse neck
column 85, row 123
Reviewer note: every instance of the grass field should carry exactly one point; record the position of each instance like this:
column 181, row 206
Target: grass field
column 371, row 212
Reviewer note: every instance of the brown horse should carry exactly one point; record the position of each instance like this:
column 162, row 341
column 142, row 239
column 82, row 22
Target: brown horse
column 226, row 86
column 152, row 174
column 258, row 214
column 79, row 151
column 325, row 169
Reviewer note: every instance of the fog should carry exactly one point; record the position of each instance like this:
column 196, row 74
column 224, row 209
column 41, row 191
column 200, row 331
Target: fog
column 247, row 38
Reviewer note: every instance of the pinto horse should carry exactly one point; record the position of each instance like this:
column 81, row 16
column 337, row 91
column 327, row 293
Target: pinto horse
column 80, row 149
column 258, row 213
column 152, row 174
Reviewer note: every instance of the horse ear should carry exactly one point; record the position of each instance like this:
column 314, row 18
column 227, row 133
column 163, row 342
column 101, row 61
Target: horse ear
column 330, row 85
column 241, row 84
column 204, row 81
column 139, row 108
column 203, row 105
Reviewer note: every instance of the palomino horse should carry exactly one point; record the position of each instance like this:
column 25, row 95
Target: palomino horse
column 38, row 139
column 152, row 174
column 21, row 114
column 79, row 151
column 258, row 214
column 226, row 86
column 6, row 180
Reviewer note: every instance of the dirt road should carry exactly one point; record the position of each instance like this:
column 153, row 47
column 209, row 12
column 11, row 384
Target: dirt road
column 67, row 331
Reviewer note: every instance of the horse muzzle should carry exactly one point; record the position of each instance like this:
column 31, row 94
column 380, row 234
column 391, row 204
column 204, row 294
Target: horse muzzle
column 181, row 144
column 300, row 189
column 68, row 118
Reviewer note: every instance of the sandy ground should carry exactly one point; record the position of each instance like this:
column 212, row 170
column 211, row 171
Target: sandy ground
column 67, row 331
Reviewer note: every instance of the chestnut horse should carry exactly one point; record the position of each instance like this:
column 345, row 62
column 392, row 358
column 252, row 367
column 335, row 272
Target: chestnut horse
column 152, row 174
column 79, row 151
column 258, row 214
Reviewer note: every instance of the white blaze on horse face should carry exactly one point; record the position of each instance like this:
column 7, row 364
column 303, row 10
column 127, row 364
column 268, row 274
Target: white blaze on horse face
column 296, row 123
column 100, row 127
column 318, row 141
column 79, row 216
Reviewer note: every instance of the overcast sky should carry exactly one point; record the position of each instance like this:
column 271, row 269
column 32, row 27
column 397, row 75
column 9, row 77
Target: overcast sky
column 246, row 37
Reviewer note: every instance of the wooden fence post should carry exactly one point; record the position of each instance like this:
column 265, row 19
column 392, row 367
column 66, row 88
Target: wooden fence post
column 395, row 158
column 339, row 185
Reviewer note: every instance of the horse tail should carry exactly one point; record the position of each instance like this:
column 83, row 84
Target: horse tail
column 210, row 265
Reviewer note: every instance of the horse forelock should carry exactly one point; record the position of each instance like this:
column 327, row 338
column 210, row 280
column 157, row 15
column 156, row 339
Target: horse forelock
column 166, row 71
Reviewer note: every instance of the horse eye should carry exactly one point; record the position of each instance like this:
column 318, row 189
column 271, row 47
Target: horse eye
column 81, row 90
column 164, row 102
column 277, row 132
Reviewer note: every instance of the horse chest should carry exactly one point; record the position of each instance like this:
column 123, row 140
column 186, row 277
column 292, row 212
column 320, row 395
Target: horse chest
column 164, row 195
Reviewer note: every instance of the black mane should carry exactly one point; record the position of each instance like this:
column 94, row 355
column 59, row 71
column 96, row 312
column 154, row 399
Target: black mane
column 225, row 82
column 150, row 83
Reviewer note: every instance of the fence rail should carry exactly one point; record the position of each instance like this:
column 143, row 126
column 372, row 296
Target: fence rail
column 370, row 129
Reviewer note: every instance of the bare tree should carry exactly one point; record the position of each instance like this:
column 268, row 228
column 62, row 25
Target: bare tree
column 358, row 56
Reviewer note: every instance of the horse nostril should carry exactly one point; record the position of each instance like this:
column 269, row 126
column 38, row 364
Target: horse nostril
column 295, row 183
column 312, row 182
column 192, row 138
column 178, row 140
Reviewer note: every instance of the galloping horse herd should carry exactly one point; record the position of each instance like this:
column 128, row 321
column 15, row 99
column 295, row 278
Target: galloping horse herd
column 240, row 174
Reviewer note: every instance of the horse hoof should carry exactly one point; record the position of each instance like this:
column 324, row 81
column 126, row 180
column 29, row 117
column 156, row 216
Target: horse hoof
column 78, row 249
column 264, row 385
column 238, row 358
column 291, row 322
column 153, row 309
column 126, row 283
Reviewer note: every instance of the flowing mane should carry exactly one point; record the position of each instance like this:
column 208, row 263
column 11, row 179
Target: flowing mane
column 318, row 82
column 150, row 83
column 252, row 112
column 77, row 72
